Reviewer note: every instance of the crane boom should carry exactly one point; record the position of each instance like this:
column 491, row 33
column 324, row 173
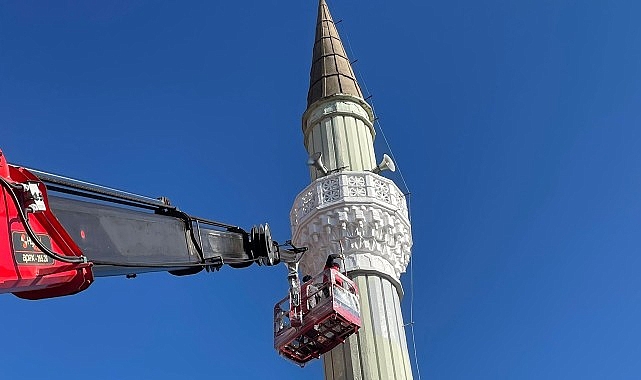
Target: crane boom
column 54, row 244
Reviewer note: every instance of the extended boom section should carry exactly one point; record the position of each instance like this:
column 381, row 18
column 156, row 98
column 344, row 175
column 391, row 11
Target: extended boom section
column 121, row 241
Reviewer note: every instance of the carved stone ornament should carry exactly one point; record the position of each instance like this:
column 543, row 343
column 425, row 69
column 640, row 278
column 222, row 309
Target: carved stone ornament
column 363, row 213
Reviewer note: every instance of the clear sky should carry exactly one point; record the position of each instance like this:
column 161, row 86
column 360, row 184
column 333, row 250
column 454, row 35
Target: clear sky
column 515, row 124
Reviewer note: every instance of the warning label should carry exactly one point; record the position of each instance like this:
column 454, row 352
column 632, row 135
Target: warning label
column 27, row 252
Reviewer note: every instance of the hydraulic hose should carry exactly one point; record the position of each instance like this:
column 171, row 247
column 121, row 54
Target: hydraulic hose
column 32, row 235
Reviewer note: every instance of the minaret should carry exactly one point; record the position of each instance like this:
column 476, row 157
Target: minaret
column 351, row 208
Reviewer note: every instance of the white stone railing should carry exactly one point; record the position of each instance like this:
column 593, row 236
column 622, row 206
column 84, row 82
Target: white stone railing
column 353, row 187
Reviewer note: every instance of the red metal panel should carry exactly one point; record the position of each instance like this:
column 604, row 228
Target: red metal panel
column 331, row 313
column 24, row 269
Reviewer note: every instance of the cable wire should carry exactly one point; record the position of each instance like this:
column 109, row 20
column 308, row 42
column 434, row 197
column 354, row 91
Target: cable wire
column 83, row 259
column 407, row 194
column 148, row 265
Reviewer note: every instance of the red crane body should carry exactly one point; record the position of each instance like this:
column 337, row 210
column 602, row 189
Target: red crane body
column 24, row 269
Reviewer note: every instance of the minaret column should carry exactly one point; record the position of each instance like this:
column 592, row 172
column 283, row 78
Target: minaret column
column 353, row 210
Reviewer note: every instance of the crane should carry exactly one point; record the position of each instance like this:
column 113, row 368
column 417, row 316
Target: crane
column 57, row 234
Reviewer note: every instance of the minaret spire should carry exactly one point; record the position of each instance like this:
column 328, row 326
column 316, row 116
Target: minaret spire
column 338, row 122
column 332, row 71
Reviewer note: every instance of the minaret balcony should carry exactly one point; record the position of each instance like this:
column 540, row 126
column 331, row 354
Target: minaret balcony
column 360, row 214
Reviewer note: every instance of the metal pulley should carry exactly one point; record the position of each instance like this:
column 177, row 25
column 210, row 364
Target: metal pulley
column 264, row 250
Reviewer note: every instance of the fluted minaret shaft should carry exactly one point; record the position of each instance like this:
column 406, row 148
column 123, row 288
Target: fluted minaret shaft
column 379, row 351
column 354, row 210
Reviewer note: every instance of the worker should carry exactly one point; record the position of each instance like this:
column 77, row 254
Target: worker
column 331, row 263
column 294, row 285
column 311, row 292
column 294, row 294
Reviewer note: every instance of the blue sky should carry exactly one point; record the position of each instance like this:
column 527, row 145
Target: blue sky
column 515, row 124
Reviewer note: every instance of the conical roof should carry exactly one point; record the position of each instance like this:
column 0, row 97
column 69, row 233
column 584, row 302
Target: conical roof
column 331, row 72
